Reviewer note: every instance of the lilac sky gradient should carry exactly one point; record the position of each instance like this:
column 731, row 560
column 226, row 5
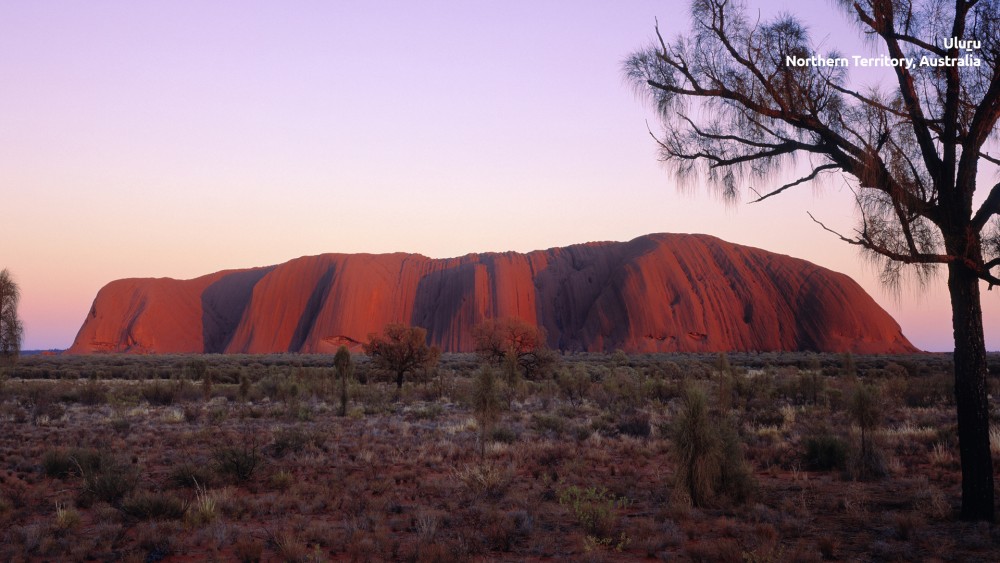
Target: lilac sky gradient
column 175, row 139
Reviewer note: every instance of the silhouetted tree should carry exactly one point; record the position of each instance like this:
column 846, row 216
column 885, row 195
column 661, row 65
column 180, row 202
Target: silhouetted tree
column 401, row 349
column 738, row 106
column 513, row 341
column 11, row 328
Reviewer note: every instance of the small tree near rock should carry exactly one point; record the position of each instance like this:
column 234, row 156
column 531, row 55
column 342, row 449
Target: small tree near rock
column 400, row 350
column 514, row 342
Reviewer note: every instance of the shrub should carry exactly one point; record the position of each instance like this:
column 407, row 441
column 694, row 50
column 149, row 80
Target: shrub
column 574, row 383
column 238, row 461
column 159, row 393
column 503, row 435
column 487, row 479
column 594, row 509
column 247, row 549
column 486, row 403
column 929, row 391
column 636, row 424
column 282, row 480
column 659, row 389
column 291, row 440
column 848, row 367
column 204, row 508
column 812, row 386
column 544, row 422
column 696, row 446
column 148, row 505
column 67, row 518
column 865, row 410
column 109, row 480
column 825, row 452
column 735, row 483
column 708, row 454
column 345, row 367
column 622, row 389
column 93, row 393
column 57, row 464
column 190, row 475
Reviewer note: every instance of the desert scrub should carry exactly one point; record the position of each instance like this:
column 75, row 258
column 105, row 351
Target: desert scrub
column 67, row 518
column 238, row 461
column 708, row 454
column 594, row 508
column 574, row 383
column 865, row 410
column 59, row 464
column 108, row 479
column 150, row 505
column 545, row 423
column 204, row 508
column 486, row 479
column 824, row 452
column 282, row 480
column 486, row 403
column 292, row 440
column 345, row 368
column 635, row 424
column 190, row 475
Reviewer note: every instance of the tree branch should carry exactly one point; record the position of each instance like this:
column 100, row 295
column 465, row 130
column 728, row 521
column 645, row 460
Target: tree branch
column 989, row 208
column 882, row 25
column 988, row 158
column 812, row 176
column 932, row 124
column 866, row 242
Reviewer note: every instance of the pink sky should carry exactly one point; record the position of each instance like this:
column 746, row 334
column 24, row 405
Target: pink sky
column 176, row 139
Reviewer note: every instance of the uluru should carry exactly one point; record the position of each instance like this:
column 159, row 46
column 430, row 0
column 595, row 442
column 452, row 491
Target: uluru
column 656, row 293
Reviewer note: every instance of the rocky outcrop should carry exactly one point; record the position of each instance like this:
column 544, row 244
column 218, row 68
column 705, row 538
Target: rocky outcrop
column 657, row 293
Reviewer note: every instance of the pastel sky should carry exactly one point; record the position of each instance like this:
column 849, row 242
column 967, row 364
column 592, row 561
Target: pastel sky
column 149, row 139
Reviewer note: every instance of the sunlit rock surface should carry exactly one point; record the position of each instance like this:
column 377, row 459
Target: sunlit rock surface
column 657, row 293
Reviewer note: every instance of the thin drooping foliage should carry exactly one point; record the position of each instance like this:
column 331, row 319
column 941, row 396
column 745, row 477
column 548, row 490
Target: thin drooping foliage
column 743, row 101
column 11, row 328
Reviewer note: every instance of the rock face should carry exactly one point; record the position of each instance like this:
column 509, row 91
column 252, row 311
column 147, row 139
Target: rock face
column 657, row 293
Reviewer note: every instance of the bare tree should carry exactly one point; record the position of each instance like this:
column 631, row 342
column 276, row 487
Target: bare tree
column 11, row 328
column 740, row 98
column 401, row 349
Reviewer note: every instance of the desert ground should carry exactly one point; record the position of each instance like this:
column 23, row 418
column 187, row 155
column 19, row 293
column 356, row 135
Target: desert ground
column 609, row 457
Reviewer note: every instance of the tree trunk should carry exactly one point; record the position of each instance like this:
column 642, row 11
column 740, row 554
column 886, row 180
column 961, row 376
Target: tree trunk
column 399, row 374
column 971, row 394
